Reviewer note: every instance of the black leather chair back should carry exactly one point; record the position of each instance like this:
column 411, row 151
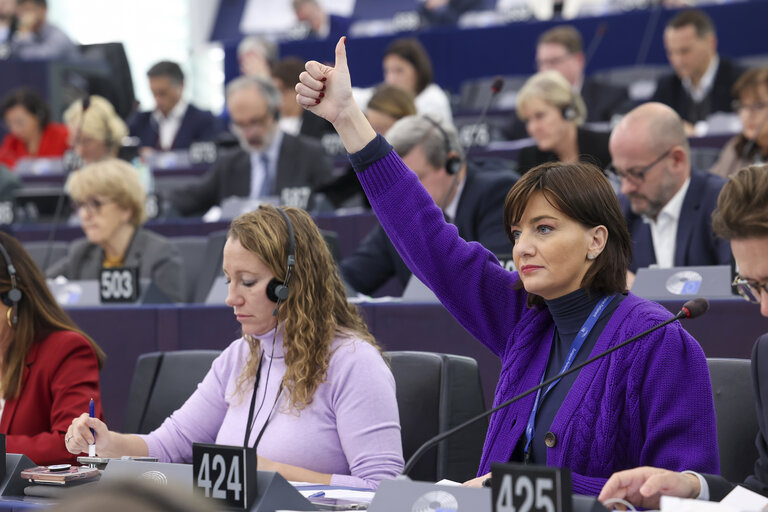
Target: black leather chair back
column 736, row 416
column 162, row 382
column 434, row 393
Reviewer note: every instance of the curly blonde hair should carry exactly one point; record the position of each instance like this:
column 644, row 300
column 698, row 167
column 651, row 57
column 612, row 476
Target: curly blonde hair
column 316, row 309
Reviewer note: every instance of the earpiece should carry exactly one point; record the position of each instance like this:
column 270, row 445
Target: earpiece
column 12, row 297
column 453, row 162
column 569, row 113
column 278, row 291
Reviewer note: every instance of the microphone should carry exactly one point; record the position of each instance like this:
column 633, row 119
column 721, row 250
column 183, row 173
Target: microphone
column 650, row 29
column 69, row 167
column 496, row 86
column 594, row 44
column 691, row 309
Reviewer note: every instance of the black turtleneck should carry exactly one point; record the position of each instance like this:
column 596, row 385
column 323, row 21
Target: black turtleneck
column 569, row 313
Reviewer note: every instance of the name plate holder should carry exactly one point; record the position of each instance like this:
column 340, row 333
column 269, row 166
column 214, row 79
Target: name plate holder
column 404, row 494
column 119, row 285
column 11, row 483
column 228, row 475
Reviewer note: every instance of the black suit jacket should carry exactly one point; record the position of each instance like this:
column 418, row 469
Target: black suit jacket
column 593, row 148
column 603, row 100
column 757, row 481
column 479, row 217
column 695, row 241
column 196, row 126
column 301, row 163
column 670, row 91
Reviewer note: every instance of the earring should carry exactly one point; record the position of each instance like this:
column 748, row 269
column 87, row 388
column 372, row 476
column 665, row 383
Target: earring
column 8, row 317
column 591, row 256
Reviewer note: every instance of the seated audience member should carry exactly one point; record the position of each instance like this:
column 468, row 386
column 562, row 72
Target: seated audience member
column 109, row 200
column 101, row 130
column 268, row 161
column 32, row 133
column 407, row 65
column 294, row 119
column 560, row 49
column 572, row 248
column 668, row 205
column 742, row 218
column 702, row 80
column 174, row 123
column 8, row 25
column 255, row 56
column 320, row 24
column 751, row 145
column 50, row 368
column 553, row 115
column 473, row 201
column 329, row 412
column 36, row 39
column 446, row 12
column 386, row 106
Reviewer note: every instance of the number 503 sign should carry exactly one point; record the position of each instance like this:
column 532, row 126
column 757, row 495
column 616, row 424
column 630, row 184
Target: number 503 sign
column 527, row 488
column 225, row 473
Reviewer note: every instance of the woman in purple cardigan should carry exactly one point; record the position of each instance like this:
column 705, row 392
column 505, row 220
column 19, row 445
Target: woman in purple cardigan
column 647, row 404
column 306, row 384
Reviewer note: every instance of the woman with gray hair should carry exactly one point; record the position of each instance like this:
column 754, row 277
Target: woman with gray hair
column 553, row 114
column 109, row 200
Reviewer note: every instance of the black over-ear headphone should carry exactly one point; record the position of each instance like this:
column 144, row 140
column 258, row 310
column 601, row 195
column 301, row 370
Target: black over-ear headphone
column 12, row 297
column 277, row 291
column 453, row 162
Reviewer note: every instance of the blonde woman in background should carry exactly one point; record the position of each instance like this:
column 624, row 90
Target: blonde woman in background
column 553, row 115
column 109, row 199
column 101, row 130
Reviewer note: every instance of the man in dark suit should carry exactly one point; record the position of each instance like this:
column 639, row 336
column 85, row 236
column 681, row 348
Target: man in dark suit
column 668, row 206
column 268, row 163
column 473, row 201
column 560, row 48
column 742, row 218
column 702, row 81
column 175, row 123
column 320, row 24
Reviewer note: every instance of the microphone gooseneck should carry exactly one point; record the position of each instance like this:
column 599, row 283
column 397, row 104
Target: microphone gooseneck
column 496, row 87
column 691, row 309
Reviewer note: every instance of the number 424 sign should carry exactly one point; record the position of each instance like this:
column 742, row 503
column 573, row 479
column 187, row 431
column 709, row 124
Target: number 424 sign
column 226, row 474
column 528, row 488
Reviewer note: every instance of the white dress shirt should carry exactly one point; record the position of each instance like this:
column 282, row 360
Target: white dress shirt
column 168, row 126
column 258, row 172
column 706, row 83
column 452, row 207
column 664, row 228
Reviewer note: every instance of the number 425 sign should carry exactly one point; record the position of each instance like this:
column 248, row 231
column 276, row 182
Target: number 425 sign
column 225, row 473
column 528, row 488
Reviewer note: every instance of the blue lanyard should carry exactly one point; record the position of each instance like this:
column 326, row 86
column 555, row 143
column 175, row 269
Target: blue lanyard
column 578, row 341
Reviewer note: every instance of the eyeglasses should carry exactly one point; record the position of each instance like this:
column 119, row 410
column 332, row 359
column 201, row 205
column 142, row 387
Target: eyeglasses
column 751, row 107
column 91, row 204
column 637, row 175
column 749, row 289
column 262, row 121
column 551, row 62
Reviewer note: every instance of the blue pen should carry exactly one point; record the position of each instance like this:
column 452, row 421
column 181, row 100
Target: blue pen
column 318, row 494
column 92, row 414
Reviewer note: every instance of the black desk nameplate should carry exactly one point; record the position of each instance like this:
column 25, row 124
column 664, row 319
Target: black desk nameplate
column 225, row 473
column 530, row 488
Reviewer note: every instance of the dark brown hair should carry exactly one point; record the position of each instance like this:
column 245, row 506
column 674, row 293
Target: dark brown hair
column 288, row 70
column 742, row 207
column 583, row 193
column 411, row 49
column 565, row 35
column 699, row 19
column 31, row 101
column 39, row 315
column 749, row 82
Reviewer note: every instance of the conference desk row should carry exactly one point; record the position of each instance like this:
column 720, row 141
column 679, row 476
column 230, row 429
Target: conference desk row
column 729, row 329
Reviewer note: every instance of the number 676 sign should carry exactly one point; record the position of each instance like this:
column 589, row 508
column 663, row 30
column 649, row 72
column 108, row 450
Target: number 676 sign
column 528, row 488
column 225, row 473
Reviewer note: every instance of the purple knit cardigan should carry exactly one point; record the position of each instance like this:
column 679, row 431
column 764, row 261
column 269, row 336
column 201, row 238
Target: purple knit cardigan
column 649, row 403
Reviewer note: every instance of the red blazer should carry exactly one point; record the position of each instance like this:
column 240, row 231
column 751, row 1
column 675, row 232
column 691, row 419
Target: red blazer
column 60, row 378
column 54, row 143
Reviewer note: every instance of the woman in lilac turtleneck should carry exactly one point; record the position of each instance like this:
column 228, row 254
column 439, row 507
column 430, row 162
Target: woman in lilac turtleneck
column 649, row 403
column 313, row 394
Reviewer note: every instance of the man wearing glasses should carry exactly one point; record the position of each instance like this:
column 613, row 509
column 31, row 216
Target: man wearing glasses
column 742, row 218
column 667, row 205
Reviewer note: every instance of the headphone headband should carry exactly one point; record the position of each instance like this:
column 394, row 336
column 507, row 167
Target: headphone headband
column 277, row 291
column 14, row 294
column 452, row 163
